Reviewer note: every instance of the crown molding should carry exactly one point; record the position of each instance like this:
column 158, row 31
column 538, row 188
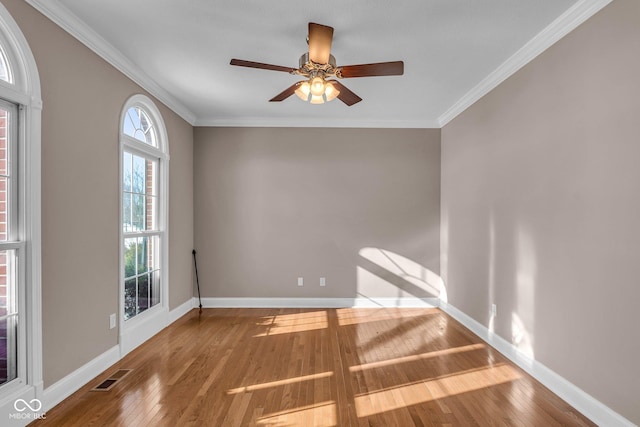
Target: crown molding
column 69, row 22
column 567, row 22
column 292, row 122
column 563, row 25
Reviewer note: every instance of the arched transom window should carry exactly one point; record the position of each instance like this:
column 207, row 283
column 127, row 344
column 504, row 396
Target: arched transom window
column 138, row 125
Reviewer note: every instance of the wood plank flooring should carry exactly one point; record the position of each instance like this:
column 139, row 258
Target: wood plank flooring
column 316, row 367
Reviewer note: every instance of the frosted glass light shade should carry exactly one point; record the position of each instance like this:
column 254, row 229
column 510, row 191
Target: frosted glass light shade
column 317, row 86
column 303, row 91
column 315, row 99
column 330, row 92
column 317, row 91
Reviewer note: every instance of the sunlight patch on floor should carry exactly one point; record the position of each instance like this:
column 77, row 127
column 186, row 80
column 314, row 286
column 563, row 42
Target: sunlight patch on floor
column 416, row 357
column 355, row 316
column 292, row 323
column 318, row 415
column 270, row 384
column 425, row 391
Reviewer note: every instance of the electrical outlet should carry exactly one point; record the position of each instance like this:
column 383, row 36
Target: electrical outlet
column 323, row 281
column 112, row 321
column 300, row 281
column 494, row 310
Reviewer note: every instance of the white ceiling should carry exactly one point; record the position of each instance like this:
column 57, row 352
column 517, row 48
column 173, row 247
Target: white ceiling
column 452, row 49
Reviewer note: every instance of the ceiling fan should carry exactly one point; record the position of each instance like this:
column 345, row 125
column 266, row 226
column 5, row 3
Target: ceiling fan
column 318, row 64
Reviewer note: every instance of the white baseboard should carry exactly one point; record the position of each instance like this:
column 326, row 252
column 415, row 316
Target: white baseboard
column 365, row 302
column 144, row 326
column 68, row 385
column 590, row 407
column 71, row 383
column 316, row 302
column 151, row 324
column 181, row 310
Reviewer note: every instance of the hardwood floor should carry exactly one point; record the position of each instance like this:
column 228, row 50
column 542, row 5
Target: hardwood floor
column 316, row 367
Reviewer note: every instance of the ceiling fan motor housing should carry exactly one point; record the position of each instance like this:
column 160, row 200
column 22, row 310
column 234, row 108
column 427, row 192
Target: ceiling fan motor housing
column 308, row 68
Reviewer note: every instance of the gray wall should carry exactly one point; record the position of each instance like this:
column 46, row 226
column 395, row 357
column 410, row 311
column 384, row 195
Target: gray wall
column 83, row 97
column 541, row 208
column 273, row 204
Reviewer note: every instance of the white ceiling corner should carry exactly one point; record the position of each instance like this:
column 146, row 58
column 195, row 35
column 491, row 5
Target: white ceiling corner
column 69, row 22
column 563, row 25
column 455, row 52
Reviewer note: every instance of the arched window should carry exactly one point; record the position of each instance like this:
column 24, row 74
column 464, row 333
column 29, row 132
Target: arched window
column 143, row 183
column 20, row 242
column 138, row 125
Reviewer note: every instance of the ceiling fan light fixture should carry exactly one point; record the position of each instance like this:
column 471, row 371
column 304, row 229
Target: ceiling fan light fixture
column 317, row 65
column 303, row 91
column 317, row 86
column 330, row 92
column 317, row 99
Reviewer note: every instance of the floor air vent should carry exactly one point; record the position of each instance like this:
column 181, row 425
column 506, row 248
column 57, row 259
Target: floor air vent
column 107, row 384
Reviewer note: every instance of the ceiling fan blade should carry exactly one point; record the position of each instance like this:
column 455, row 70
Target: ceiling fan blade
column 345, row 94
column 395, row 68
column 285, row 93
column 320, row 37
column 260, row 65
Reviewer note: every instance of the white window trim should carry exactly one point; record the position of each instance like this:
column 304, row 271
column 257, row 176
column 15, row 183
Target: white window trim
column 15, row 240
column 143, row 326
column 25, row 91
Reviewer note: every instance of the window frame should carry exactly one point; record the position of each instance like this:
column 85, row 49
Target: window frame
column 160, row 154
column 15, row 240
column 23, row 90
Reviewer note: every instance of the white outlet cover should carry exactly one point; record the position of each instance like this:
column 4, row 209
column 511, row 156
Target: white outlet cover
column 112, row 321
column 323, row 281
column 300, row 281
